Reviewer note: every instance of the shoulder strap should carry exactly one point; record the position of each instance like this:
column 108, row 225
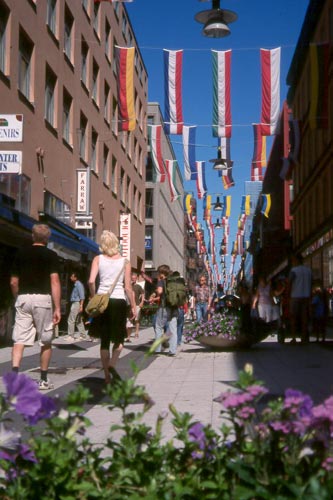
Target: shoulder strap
column 117, row 278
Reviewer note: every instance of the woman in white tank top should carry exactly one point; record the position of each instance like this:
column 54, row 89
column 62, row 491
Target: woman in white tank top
column 108, row 267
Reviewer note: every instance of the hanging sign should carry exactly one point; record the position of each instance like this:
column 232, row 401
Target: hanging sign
column 82, row 191
column 125, row 235
column 11, row 128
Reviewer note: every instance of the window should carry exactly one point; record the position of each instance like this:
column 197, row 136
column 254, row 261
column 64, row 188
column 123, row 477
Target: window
column 135, row 201
column 149, row 203
column 116, row 8
column 16, row 190
column 94, row 141
column 128, row 193
column 108, row 40
column 50, row 86
column 115, row 116
column 85, row 5
column 56, row 207
column 114, row 175
column 149, row 243
column 106, row 102
column 96, row 18
column 106, row 165
column 124, row 26
column 122, row 185
column 25, row 62
column 67, row 118
column 95, row 82
column 51, row 15
column 149, row 170
column 68, row 34
column 140, row 207
column 83, row 136
column 84, row 61
column 4, row 16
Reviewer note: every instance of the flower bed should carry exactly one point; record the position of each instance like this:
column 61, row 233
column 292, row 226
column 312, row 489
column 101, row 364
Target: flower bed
column 223, row 330
column 282, row 449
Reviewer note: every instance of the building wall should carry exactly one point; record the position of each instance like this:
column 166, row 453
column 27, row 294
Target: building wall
column 50, row 157
column 312, row 207
column 167, row 221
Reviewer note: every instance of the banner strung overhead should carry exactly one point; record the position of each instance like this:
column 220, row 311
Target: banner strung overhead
column 259, row 153
column 155, row 141
column 171, row 166
column 125, row 87
column 173, row 68
column 189, row 134
column 201, row 179
column 221, row 93
column 270, row 90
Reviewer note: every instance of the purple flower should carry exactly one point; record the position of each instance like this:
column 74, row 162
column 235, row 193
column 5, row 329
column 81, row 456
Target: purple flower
column 24, row 396
column 197, row 435
column 26, row 453
column 298, row 403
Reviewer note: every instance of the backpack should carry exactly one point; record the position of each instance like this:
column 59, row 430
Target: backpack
column 175, row 291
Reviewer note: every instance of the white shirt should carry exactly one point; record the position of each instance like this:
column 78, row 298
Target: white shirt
column 108, row 269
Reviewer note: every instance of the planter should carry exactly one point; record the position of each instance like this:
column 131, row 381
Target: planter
column 220, row 342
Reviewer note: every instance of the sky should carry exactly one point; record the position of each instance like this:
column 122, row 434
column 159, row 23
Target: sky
column 171, row 25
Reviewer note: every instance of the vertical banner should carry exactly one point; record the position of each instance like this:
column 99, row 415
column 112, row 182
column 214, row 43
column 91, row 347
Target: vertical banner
column 319, row 62
column 155, row 142
column 259, row 153
column 270, row 90
column 125, row 235
column 221, row 93
column 171, row 168
column 266, row 204
column 82, row 183
column 189, row 134
column 201, row 179
column 173, row 67
column 125, row 87
column 187, row 204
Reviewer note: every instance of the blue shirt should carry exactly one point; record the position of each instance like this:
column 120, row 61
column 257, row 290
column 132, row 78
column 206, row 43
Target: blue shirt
column 77, row 292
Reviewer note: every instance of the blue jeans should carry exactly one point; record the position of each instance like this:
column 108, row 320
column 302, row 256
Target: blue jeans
column 164, row 316
column 201, row 310
column 180, row 325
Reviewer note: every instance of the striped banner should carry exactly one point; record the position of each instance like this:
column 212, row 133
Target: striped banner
column 259, row 153
column 266, row 204
column 270, row 90
column 173, row 65
column 207, row 206
column 171, row 168
column 221, row 93
column 189, row 134
column 188, row 204
column 226, row 173
column 201, row 179
column 155, row 141
column 227, row 205
column 246, row 204
column 125, row 87
column 319, row 62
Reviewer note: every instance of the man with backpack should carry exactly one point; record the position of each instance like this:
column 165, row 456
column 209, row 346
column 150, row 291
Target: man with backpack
column 170, row 294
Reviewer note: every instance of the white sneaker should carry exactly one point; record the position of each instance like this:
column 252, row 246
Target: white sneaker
column 69, row 338
column 45, row 385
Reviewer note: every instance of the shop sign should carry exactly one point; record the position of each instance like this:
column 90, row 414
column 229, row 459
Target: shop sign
column 148, row 243
column 82, row 191
column 125, row 235
column 11, row 128
column 10, row 162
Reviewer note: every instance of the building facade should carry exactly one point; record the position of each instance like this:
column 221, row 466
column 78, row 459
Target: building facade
column 65, row 157
column 164, row 239
column 312, row 176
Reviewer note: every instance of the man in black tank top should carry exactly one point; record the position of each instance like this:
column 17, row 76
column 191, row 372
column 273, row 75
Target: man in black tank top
column 35, row 284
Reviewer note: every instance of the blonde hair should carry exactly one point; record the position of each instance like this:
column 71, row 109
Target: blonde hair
column 41, row 233
column 109, row 243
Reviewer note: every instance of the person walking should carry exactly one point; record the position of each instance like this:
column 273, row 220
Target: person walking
column 35, row 284
column 263, row 300
column 300, row 279
column 202, row 299
column 139, row 296
column 111, row 268
column 75, row 317
column 166, row 317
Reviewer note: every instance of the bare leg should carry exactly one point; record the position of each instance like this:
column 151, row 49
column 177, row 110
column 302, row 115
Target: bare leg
column 45, row 357
column 17, row 354
column 116, row 350
column 105, row 358
column 137, row 326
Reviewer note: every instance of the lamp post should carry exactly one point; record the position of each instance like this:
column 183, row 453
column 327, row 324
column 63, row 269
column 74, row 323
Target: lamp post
column 216, row 20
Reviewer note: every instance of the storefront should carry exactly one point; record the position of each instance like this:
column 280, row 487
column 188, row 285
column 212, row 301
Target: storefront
column 75, row 251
